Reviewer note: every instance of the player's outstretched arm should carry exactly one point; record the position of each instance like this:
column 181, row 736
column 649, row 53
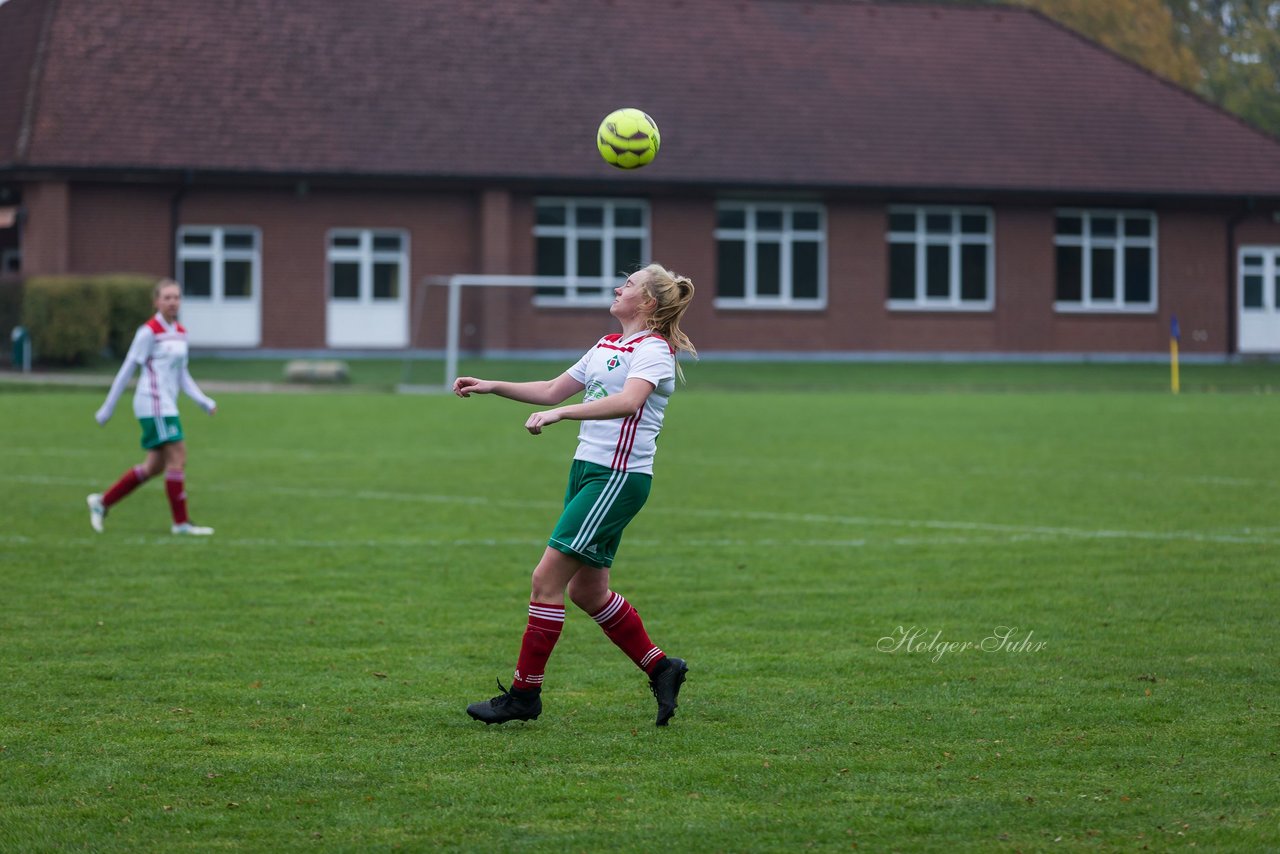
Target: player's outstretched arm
column 137, row 354
column 541, row 393
column 622, row 405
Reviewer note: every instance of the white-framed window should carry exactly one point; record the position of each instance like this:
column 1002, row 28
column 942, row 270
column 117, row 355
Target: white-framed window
column 771, row 255
column 941, row 258
column 367, row 266
column 220, row 263
column 1260, row 279
column 590, row 243
column 1106, row 260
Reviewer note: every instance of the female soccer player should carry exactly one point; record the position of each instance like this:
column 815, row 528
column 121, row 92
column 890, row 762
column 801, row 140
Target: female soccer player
column 160, row 349
column 628, row 379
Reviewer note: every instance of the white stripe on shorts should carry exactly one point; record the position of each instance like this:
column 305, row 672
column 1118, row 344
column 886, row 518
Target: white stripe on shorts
column 598, row 511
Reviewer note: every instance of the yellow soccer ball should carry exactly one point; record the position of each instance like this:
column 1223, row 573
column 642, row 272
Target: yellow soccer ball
column 628, row 138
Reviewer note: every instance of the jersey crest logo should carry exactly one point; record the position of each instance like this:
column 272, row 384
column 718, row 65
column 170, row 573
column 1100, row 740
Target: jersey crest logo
column 613, row 362
column 595, row 391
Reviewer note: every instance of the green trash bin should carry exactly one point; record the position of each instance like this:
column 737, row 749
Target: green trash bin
column 21, row 349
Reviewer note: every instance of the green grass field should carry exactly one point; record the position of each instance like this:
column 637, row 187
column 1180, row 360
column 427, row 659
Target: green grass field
column 297, row 682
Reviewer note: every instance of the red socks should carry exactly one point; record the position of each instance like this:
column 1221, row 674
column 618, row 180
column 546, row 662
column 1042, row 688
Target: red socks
column 623, row 626
column 128, row 482
column 175, row 487
column 540, row 636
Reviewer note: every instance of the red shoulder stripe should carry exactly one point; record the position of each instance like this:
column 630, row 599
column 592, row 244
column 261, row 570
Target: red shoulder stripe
column 155, row 326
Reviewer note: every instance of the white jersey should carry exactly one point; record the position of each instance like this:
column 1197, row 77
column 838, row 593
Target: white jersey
column 160, row 350
column 625, row 444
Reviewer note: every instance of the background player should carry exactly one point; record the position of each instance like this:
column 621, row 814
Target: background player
column 160, row 349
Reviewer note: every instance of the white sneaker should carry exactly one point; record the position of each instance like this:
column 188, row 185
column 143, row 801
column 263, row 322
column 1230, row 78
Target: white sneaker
column 190, row 530
column 97, row 511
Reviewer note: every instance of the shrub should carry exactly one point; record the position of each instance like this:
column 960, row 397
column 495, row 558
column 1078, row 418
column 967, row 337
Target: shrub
column 66, row 317
column 130, row 306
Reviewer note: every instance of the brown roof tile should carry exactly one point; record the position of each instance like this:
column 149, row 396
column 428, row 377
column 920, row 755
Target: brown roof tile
column 758, row 92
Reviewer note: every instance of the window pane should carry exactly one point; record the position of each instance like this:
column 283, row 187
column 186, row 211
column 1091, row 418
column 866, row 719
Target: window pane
column 936, row 223
column 626, row 254
column 590, row 260
column 769, row 220
column 238, row 239
column 973, row 273
column 731, row 271
column 902, row 222
column 1102, row 226
column 593, row 215
column 1137, row 274
column 346, row 279
column 1253, row 292
column 731, row 218
column 387, row 243
column 237, row 279
column 551, row 214
column 768, row 269
column 1070, row 274
column 197, row 239
column 345, row 241
column 937, row 266
column 902, row 271
column 1137, row 226
column 1275, row 292
column 1103, row 275
column 804, row 270
column 805, row 221
column 1253, row 260
column 973, row 223
column 590, row 263
column 1069, row 225
column 197, row 278
column 550, row 262
column 628, row 217
column 386, row 280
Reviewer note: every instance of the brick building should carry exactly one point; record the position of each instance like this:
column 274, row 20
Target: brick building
column 837, row 177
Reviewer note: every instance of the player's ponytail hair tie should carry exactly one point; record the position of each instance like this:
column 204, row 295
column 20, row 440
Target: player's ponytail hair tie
column 671, row 294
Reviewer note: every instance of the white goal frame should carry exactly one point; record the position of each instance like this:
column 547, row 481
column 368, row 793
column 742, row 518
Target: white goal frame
column 458, row 281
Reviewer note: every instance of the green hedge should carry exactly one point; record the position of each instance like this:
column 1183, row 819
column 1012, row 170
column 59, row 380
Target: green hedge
column 73, row 319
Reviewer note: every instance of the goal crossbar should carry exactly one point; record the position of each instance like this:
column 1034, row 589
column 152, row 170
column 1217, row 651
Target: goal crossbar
column 458, row 281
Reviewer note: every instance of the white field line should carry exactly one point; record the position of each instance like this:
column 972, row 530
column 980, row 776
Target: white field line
column 1246, row 536
column 861, row 465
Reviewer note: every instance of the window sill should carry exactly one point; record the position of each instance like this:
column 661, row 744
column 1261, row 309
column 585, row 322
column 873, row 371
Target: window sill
column 947, row 307
column 1077, row 308
column 744, row 305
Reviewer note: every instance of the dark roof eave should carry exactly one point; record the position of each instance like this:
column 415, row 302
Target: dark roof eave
column 631, row 183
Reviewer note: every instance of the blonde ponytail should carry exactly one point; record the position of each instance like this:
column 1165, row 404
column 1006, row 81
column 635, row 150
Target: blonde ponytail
column 671, row 294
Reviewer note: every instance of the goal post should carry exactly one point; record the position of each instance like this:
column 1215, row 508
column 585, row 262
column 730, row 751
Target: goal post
column 453, row 312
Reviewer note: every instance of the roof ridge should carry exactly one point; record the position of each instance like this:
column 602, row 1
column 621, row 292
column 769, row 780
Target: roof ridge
column 30, row 102
column 1159, row 78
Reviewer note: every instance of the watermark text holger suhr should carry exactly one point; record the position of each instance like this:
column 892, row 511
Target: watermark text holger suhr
column 919, row 639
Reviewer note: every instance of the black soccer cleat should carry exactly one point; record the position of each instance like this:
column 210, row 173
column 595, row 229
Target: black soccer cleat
column 665, row 684
column 513, row 705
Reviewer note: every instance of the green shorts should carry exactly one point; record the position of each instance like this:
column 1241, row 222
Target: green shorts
column 597, row 505
column 160, row 430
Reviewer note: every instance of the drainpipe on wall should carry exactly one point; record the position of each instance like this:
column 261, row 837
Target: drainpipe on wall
column 1232, row 296
column 175, row 219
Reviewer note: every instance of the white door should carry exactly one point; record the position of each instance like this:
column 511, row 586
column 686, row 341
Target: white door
column 368, row 289
column 1259, row 288
column 219, row 268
